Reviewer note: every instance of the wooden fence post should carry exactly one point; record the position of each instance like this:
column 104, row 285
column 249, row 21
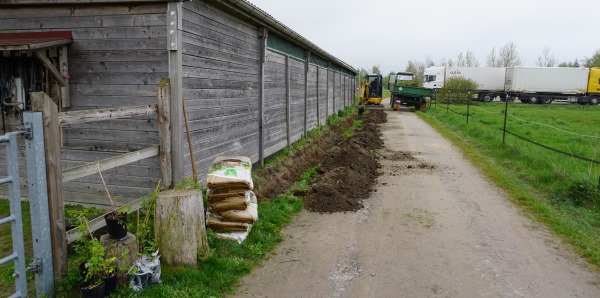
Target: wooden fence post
column 287, row 100
column 318, row 99
column 164, row 132
column 262, row 37
column 306, row 56
column 42, row 103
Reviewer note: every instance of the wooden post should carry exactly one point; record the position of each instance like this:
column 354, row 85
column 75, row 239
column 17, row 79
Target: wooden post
column 318, row 99
column 306, row 55
column 333, row 74
column 174, row 24
column 64, row 69
column 327, row 96
column 43, row 103
column 164, row 132
column 180, row 229
column 262, row 38
column 287, row 101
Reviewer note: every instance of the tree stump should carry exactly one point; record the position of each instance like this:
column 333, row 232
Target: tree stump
column 179, row 226
column 124, row 250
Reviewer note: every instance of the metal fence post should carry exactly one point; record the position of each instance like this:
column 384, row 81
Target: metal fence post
column 504, row 129
column 468, row 104
column 38, row 201
column 448, row 101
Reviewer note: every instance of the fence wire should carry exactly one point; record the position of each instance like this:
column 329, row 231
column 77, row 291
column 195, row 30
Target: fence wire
column 572, row 155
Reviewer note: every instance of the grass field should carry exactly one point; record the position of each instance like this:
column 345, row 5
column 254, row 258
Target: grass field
column 558, row 189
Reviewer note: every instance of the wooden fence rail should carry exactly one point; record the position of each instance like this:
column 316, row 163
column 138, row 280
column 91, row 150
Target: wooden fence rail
column 53, row 121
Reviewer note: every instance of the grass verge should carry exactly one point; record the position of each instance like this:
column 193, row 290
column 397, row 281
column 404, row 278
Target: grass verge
column 530, row 176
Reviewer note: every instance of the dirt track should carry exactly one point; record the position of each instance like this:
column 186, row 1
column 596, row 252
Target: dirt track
column 434, row 228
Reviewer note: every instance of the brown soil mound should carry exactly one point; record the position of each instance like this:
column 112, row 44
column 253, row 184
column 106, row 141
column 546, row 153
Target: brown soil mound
column 347, row 173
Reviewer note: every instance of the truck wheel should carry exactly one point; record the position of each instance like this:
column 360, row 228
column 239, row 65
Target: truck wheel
column 594, row 100
column 488, row 97
column 533, row 100
column 524, row 100
column 547, row 100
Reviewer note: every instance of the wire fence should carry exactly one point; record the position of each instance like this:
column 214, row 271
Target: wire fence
column 459, row 109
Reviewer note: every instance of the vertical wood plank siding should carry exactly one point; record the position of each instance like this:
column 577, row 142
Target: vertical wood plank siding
column 220, row 82
column 117, row 57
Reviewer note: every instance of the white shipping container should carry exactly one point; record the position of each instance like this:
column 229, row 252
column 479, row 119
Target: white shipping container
column 487, row 78
column 557, row 80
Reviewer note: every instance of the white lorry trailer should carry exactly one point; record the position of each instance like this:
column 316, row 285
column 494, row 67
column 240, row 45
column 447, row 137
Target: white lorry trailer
column 546, row 84
column 490, row 80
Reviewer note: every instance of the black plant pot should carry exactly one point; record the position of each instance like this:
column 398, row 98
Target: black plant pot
column 110, row 284
column 88, row 291
column 116, row 224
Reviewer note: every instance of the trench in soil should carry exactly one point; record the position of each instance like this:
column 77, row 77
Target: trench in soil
column 348, row 168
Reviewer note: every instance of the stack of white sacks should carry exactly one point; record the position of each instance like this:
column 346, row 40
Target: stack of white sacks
column 232, row 206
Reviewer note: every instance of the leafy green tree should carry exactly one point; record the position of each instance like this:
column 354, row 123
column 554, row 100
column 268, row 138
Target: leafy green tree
column 386, row 79
column 593, row 61
column 375, row 69
column 456, row 89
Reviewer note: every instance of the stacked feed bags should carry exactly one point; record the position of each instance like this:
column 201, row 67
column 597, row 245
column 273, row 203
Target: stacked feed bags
column 232, row 206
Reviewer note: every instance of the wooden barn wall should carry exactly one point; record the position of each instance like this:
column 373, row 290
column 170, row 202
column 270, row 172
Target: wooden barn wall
column 117, row 57
column 311, row 96
column 275, row 103
column 220, row 82
column 296, row 99
column 323, row 94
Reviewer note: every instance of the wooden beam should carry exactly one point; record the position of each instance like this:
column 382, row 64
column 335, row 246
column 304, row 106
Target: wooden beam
column 65, row 92
column 306, row 56
column 318, row 99
column 164, row 132
column 107, row 164
column 83, row 116
column 43, row 103
column 99, row 222
column 41, row 54
column 176, row 76
column 262, row 44
column 287, row 101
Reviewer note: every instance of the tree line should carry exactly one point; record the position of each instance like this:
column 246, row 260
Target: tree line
column 506, row 56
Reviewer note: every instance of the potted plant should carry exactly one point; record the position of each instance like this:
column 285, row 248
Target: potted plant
column 97, row 269
column 116, row 220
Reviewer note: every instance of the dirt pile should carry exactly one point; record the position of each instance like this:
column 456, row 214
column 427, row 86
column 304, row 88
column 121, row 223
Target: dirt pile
column 349, row 171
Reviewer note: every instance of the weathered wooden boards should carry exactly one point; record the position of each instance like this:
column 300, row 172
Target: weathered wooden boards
column 179, row 226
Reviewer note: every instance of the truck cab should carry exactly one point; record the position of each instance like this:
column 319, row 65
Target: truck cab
column 433, row 77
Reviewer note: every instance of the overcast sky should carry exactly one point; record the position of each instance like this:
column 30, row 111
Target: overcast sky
column 389, row 33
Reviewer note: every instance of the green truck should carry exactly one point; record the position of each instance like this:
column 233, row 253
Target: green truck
column 405, row 90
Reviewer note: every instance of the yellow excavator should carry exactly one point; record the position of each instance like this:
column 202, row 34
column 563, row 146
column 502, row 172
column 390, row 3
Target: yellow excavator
column 371, row 89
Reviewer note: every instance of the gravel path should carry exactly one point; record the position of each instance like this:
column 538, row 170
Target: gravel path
column 435, row 228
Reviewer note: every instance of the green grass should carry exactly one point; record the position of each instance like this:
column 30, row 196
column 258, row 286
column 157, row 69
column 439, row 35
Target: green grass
column 558, row 190
column 386, row 93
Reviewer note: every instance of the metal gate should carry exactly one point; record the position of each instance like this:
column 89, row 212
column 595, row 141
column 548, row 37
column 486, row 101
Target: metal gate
column 41, row 264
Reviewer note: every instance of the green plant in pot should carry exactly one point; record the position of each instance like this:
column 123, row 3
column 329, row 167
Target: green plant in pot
column 116, row 220
column 97, row 269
